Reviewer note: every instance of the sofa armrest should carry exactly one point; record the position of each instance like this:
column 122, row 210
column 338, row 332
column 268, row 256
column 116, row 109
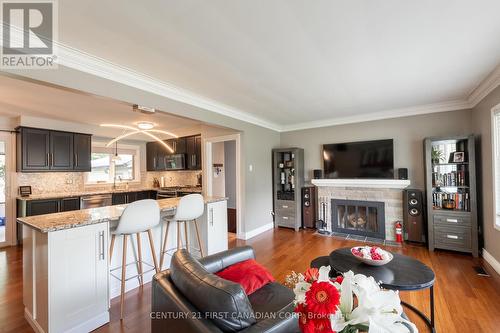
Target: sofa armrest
column 284, row 321
column 217, row 262
column 172, row 312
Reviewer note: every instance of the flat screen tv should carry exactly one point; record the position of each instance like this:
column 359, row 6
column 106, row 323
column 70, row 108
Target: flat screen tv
column 367, row 159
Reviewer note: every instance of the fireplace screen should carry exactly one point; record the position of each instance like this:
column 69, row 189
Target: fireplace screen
column 365, row 218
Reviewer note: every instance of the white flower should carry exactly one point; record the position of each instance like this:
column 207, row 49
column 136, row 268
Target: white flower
column 300, row 292
column 324, row 274
column 377, row 308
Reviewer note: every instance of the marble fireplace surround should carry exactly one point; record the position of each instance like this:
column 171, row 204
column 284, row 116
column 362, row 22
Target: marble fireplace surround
column 389, row 191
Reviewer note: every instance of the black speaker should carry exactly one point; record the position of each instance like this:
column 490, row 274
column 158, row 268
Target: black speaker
column 403, row 173
column 317, row 173
column 309, row 207
column 414, row 216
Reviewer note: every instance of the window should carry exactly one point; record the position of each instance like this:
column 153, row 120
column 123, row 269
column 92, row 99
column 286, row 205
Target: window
column 496, row 162
column 106, row 168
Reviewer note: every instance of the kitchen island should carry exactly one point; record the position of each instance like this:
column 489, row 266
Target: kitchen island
column 66, row 268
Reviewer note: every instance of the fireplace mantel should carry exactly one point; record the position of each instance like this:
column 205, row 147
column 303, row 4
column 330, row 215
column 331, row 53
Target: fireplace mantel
column 365, row 183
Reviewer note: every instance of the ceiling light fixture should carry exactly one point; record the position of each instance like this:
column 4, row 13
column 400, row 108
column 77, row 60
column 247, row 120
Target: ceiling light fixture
column 145, row 125
column 137, row 130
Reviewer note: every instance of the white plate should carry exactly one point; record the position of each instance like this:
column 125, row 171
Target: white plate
column 371, row 261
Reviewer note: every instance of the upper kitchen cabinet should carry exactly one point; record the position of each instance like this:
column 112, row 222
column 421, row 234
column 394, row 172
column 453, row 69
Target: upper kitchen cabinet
column 33, row 149
column 45, row 150
column 178, row 145
column 82, row 150
column 193, row 151
column 61, row 151
column 157, row 155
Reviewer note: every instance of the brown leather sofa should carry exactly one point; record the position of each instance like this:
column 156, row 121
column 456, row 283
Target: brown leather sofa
column 189, row 297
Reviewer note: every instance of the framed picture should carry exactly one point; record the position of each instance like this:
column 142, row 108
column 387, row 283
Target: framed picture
column 458, row 157
column 24, row 191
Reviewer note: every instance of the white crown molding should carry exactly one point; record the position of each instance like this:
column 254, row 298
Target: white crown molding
column 395, row 113
column 88, row 63
column 485, row 87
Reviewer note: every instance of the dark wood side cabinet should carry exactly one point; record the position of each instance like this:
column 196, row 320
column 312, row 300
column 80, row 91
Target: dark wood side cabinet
column 41, row 150
column 450, row 170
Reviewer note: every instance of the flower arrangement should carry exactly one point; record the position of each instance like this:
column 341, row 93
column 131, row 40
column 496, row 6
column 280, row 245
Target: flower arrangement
column 347, row 304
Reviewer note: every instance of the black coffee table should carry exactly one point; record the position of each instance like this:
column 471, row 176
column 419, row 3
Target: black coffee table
column 402, row 273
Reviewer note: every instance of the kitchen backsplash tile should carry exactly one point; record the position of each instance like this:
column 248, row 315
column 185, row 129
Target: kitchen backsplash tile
column 61, row 182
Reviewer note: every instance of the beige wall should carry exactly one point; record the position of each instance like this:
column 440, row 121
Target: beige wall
column 481, row 122
column 408, row 134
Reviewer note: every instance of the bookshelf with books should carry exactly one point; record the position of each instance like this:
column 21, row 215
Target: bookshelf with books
column 451, row 193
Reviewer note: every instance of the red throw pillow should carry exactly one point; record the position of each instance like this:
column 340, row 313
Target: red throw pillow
column 249, row 274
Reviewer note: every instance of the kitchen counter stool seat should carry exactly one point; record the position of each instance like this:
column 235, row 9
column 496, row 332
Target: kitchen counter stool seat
column 138, row 217
column 190, row 208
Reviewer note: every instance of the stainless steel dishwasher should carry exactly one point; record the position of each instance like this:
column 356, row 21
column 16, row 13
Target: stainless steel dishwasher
column 95, row 200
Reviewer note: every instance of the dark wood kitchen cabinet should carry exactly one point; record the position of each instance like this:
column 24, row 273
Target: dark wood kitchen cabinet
column 129, row 197
column 33, row 149
column 46, row 150
column 82, row 151
column 61, row 151
column 69, row 204
column 151, row 152
column 155, row 156
column 193, row 152
column 178, row 145
column 40, row 207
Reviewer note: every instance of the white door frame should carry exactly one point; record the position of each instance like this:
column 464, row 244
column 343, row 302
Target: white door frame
column 208, row 175
column 10, row 189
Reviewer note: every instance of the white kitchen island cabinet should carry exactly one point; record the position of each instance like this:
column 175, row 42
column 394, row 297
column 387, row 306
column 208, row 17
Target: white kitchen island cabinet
column 214, row 228
column 66, row 270
column 66, row 278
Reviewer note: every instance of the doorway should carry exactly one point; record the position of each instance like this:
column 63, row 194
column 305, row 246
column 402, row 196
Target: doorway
column 7, row 223
column 223, row 177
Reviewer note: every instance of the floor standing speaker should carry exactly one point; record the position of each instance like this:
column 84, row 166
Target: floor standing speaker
column 309, row 207
column 414, row 216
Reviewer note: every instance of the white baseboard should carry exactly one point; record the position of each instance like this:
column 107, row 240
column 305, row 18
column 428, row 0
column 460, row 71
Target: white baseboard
column 255, row 232
column 491, row 260
column 91, row 324
column 33, row 323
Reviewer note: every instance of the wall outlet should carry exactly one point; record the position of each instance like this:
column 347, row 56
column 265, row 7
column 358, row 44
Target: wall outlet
column 69, row 181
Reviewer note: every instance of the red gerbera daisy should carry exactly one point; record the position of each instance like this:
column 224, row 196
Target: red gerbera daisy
column 339, row 279
column 305, row 323
column 311, row 274
column 322, row 298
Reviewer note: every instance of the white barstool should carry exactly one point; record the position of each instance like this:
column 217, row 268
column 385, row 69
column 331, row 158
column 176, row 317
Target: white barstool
column 139, row 216
column 190, row 208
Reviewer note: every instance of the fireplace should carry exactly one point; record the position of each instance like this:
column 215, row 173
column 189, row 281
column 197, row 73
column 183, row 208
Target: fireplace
column 358, row 217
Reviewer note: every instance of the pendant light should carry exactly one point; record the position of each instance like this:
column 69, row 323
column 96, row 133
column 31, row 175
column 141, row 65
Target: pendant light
column 116, row 158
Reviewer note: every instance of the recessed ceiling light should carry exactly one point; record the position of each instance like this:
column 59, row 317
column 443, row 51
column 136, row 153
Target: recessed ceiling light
column 145, row 125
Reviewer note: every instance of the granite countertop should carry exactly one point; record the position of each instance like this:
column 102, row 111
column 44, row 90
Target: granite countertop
column 95, row 192
column 65, row 220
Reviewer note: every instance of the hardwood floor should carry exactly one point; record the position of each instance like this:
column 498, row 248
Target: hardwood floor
column 465, row 302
